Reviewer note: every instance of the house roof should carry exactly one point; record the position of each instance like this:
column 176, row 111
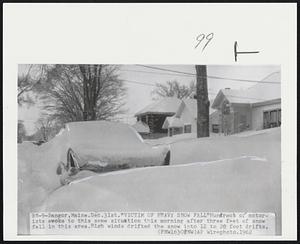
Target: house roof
column 167, row 105
column 260, row 92
column 172, row 122
column 191, row 105
column 141, row 127
column 268, row 102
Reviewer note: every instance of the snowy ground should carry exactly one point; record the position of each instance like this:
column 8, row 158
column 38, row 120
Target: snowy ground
column 220, row 173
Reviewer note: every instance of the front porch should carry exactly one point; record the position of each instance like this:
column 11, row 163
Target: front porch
column 155, row 122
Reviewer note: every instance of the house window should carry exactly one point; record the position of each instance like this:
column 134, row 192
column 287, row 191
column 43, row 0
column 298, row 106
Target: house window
column 266, row 119
column 215, row 128
column 187, row 128
column 272, row 118
column 177, row 130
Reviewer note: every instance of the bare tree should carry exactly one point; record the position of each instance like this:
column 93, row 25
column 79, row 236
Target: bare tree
column 29, row 77
column 83, row 92
column 174, row 88
column 92, row 83
column 202, row 102
column 44, row 127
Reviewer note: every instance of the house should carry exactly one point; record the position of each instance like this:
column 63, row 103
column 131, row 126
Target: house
column 185, row 119
column 142, row 128
column 214, row 121
column 233, row 111
column 255, row 108
column 155, row 114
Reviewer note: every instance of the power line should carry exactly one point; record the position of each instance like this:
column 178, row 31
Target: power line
column 158, row 73
column 138, row 82
column 169, row 70
column 208, row 76
column 210, row 93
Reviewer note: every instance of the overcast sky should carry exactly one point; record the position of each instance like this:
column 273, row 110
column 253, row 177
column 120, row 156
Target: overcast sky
column 139, row 95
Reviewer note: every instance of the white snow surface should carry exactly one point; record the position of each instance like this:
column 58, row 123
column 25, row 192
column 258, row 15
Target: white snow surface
column 112, row 142
column 164, row 105
column 172, row 122
column 141, row 127
column 220, row 173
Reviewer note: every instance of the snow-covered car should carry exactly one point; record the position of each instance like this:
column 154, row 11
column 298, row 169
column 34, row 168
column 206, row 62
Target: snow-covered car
column 102, row 146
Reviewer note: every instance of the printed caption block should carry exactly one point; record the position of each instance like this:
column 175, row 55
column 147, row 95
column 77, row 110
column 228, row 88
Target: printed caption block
column 153, row 223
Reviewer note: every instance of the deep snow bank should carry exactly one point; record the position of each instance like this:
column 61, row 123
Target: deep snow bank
column 93, row 140
column 238, row 183
column 265, row 145
column 36, row 178
column 245, row 184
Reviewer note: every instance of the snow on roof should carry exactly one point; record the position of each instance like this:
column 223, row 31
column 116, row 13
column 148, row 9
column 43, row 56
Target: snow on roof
column 172, row 122
column 267, row 91
column 239, row 96
column 260, row 92
column 191, row 105
column 141, row 127
column 167, row 105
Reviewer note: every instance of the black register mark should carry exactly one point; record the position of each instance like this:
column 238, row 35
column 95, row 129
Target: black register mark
column 204, row 40
column 236, row 52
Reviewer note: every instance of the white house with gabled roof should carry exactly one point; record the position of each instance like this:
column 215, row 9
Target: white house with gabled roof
column 255, row 108
column 185, row 118
column 233, row 111
column 155, row 114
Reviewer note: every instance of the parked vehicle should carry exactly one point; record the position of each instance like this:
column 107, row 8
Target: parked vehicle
column 102, row 146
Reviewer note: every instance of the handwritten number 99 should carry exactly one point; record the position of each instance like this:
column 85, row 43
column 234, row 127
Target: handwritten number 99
column 200, row 38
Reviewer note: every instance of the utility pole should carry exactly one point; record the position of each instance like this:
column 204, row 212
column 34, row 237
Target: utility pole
column 202, row 102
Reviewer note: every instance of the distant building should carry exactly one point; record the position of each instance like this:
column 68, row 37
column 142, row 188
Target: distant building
column 185, row 119
column 255, row 108
column 155, row 114
column 233, row 111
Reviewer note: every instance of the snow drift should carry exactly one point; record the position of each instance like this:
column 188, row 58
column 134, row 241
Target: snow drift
column 243, row 184
column 209, row 174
